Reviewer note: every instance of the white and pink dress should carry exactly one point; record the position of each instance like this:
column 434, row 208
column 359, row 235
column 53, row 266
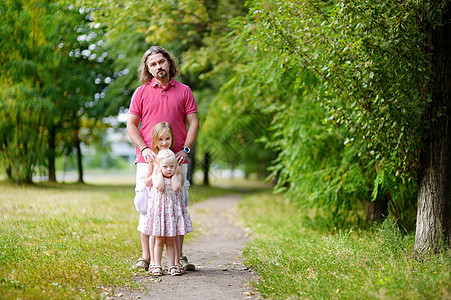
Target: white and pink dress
column 166, row 213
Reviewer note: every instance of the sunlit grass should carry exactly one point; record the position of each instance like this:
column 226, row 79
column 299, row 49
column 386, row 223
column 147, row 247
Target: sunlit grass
column 66, row 240
column 297, row 262
column 71, row 240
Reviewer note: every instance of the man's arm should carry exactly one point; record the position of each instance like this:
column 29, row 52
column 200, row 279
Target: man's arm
column 193, row 130
column 135, row 136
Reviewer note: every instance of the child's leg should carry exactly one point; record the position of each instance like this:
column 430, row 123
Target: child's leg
column 170, row 250
column 159, row 245
column 177, row 250
column 183, row 259
column 145, row 246
column 181, row 238
column 152, row 250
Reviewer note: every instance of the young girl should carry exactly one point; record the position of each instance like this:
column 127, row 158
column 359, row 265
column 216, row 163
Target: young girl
column 166, row 217
column 162, row 138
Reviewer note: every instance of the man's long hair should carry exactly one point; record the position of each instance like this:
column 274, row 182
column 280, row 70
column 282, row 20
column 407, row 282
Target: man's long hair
column 144, row 74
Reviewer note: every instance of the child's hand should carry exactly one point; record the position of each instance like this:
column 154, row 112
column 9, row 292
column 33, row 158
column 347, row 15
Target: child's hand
column 156, row 169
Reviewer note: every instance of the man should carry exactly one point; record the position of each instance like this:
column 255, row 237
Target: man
column 161, row 98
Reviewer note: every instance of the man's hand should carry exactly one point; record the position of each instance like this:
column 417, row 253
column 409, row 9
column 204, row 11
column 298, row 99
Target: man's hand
column 149, row 155
column 181, row 156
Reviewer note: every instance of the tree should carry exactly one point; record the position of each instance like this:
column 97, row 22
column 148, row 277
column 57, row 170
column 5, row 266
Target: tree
column 311, row 160
column 78, row 72
column 434, row 172
column 378, row 64
column 188, row 28
column 50, row 70
column 24, row 96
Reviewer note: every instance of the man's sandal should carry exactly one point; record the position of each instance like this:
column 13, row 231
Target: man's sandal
column 157, row 271
column 174, row 271
column 142, row 264
column 186, row 265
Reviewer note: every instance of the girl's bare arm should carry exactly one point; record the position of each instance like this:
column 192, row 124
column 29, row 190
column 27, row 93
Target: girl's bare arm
column 158, row 181
column 149, row 174
column 177, row 179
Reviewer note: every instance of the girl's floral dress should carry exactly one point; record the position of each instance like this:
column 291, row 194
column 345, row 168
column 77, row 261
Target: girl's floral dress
column 166, row 215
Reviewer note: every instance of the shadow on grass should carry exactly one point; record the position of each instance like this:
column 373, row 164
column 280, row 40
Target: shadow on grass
column 197, row 192
column 72, row 186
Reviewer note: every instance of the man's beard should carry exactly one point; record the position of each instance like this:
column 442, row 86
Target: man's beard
column 161, row 74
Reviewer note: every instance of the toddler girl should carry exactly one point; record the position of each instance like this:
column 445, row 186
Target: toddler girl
column 166, row 216
column 162, row 138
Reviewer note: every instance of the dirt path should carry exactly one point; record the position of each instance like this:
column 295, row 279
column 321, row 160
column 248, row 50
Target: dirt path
column 216, row 250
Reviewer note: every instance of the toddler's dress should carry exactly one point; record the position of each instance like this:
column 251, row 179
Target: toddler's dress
column 166, row 213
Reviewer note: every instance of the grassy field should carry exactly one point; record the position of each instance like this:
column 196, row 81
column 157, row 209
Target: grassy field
column 80, row 241
column 296, row 261
column 64, row 241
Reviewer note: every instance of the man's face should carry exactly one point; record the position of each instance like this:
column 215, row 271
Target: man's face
column 158, row 66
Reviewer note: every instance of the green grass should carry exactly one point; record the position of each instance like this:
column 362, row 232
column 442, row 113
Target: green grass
column 71, row 240
column 295, row 261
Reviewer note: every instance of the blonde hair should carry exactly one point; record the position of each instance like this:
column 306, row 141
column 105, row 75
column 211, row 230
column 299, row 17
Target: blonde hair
column 158, row 130
column 165, row 153
column 143, row 72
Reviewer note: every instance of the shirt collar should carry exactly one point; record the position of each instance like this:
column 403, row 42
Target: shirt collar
column 155, row 83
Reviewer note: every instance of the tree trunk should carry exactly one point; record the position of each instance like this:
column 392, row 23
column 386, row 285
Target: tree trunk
column 51, row 153
column 79, row 159
column 206, row 169
column 9, row 173
column 433, row 229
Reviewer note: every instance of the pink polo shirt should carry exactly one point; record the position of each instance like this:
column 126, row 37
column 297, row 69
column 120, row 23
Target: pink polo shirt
column 153, row 105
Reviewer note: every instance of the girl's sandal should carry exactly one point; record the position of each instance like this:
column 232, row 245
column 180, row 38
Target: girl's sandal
column 174, row 271
column 181, row 270
column 157, row 271
column 151, row 267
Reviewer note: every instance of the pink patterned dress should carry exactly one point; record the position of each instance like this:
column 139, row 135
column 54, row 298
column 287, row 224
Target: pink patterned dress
column 166, row 214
